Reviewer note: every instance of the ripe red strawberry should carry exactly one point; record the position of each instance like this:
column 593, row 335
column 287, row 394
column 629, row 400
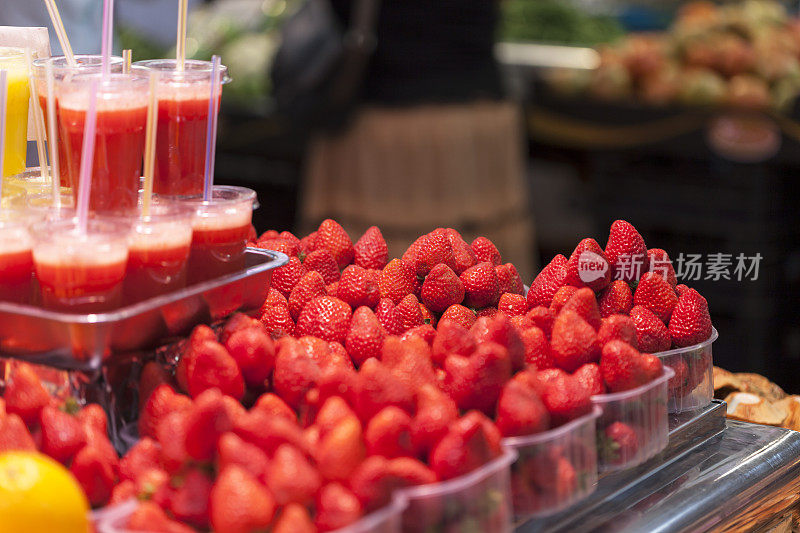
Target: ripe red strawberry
column 488, row 312
column 325, row 317
column 189, row 501
column 371, row 250
column 389, row 317
column 409, row 472
column 499, row 329
column 25, row 395
column 332, row 237
column 295, row 372
column 620, row 444
column 340, row 450
column 433, row 249
column 294, row 518
column 366, row 335
column 475, row 382
column 91, row 416
column 680, row 289
column 14, row 436
column 615, row 299
column 451, row 338
column 149, row 516
column 95, row 474
column 563, row 395
column 410, row 312
column 435, row 412
column 291, row 477
column 459, row 314
column 661, row 264
column 442, row 288
column 537, row 349
column 585, row 266
column 171, row 436
column 655, row 294
column 143, row 456
column 550, row 279
column 278, row 321
column 397, row 280
column 267, row 432
column 371, row 483
column 561, row 297
column 651, row 334
column 212, row 366
column 308, row 243
column 333, row 410
column 337, row 507
column 269, row 234
column 237, row 322
column 323, row 262
column 289, row 236
column 542, row 318
column 513, row 305
column 480, row 285
column 469, row 443
column 520, row 411
column 584, row 303
column 425, row 332
column 239, row 503
column 388, row 434
column 485, row 250
column 626, row 252
column 619, row 327
column 273, row 405
column 591, row 378
column 206, row 421
column 200, row 334
column 377, row 387
column 428, row 317
column 163, row 401
column 358, row 287
column 651, row 366
column 622, row 367
column 690, row 323
column 286, row 277
column 254, row 352
column 409, row 361
column 279, row 245
column 308, row 288
column 62, row 434
column 463, row 255
column 508, row 279
column 573, row 342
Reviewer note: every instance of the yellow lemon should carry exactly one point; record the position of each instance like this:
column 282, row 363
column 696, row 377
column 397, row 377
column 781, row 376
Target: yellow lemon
column 39, row 495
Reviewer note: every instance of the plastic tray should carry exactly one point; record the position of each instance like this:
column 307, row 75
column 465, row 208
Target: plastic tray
column 643, row 411
column 478, row 501
column 555, row 468
column 82, row 341
column 693, row 385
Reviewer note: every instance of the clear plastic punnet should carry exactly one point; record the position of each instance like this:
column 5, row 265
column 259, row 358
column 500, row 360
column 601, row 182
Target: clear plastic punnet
column 693, row 385
column 634, row 425
column 478, row 501
column 555, row 468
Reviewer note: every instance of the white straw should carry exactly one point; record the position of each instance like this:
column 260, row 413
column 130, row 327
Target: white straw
column 52, row 133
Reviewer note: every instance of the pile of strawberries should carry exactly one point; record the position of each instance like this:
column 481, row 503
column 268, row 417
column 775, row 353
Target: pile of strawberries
column 31, row 419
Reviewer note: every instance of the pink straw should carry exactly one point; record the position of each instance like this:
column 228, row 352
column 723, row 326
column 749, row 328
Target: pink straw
column 108, row 29
column 87, row 159
column 3, row 103
column 211, row 130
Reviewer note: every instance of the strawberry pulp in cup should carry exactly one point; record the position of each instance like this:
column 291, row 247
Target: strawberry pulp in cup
column 16, row 261
column 119, row 141
column 183, row 98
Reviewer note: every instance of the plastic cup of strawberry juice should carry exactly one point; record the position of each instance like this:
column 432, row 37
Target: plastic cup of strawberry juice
column 220, row 229
column 119, row 141
column 78, row 271
column 41, row 205
column 16, row 260
column 183, row 98
column 85, row 64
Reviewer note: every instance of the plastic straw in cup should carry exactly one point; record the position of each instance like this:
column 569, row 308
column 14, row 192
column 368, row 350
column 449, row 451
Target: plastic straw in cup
column 38, row 120
column 211, row 131
column 3, row 103
column 180, row 46
column 52, row 133
column 150, row 144
column 126, row 60
column 61, row 33
column 87, row 159
column 108, row 28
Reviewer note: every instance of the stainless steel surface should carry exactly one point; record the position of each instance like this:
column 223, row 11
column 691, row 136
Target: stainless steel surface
column 82, row 341
column 715, row 475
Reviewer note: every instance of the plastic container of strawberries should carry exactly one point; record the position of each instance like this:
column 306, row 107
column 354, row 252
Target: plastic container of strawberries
column 478, row 501
column 554, row 469
column 641, row 415
column 693, row 385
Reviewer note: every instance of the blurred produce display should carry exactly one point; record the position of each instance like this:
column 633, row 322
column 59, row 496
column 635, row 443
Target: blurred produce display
column 556, row 21
column 739, row 54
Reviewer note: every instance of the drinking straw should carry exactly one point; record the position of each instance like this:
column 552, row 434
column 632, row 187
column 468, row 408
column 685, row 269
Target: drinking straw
column 211, row 130
column 87, row 159
column 38, row 120
column 52, row 133
column 61, row 33
column 180, row 46
column 150, row 144
column 3, row 103
column 126, row 60
column 108, row 30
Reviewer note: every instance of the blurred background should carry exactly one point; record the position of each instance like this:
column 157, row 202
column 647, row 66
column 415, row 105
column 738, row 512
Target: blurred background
column 534, row 122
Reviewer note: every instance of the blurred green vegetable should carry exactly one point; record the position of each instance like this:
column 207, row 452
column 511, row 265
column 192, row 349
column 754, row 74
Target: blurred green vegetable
column 555, row 21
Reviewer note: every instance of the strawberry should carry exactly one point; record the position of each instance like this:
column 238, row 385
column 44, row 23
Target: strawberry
column 254, row 352
column 651, row 366
column 268, row 433
column 520, row 411
column 388, row 433
column 591, row 378
column 435, row 411
column 308, row 288
column 212, row 366
column 622, row 367
column 170, row 434
column 651, row 334
column 542, row 318
column 690, row 323
column 278, row 321
column 163, row 401
column 573, row 342
column 366, row 335
column 308, row 243
column 279, row 245
column 409, row 472
column 470, row 442
column 323, row 262
column 656, row 295
column 62, row 434
column 14, row 436
column 676, row 384
column 451, row 338
column 340, row 450
column 269, row 234
column 294, row 518
column 563, row 395
column 584, row 267
column 286, row 277
column 537, row 349
column 371, row 483
column 332, row 237
column 428, row 317
column 549, row 280
column 480, row 286
column 371, row 250
column 25, row 395
column 153, row 374
column 205, row 422
column 237, row 322
column 476, row 382
column 512, row 305
column 584, row 304
column 333, row 410
column 189, row 502
column 149, row 516
column 289, row 236
column 680, row 289
column 463, row 255
column 620, row 443
column 616, row 299
column 325, row 317
column 92, row 416
column 561, row 297
column 487, row 312
column 410, row 254
column 410, row 313
column 274, row 297
column 434, row 249
column 425, row 332
column 358, row 287
column 337, row 507
column 508, row 279
column 124, row 491
column 144, row 455
column 291, row 477
column 485, row 250
column 377, row 387
column 500, row 330
column 295, row 372
column 409, row 361
column 94, row 473
column 459, row 314
column 389, row 317
column 626, row 252
column 619, row 327
column 661, row 264
column 239, row 503
column 442, row 288
column 397, row 280
column 273, row 405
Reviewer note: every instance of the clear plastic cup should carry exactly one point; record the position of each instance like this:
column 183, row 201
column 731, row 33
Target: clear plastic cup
column 119, row 141
column 16, row 260
column 12, row 60
column 693, row 385
column 31, row 180
column 43, row 207
column 80, row 272
column 10, row 193
column 183, row 98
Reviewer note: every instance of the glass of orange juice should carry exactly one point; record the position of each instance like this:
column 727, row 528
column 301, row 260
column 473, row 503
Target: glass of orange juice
column 12, row 60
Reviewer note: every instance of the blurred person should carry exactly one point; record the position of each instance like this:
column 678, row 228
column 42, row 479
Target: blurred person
column 433, row 143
